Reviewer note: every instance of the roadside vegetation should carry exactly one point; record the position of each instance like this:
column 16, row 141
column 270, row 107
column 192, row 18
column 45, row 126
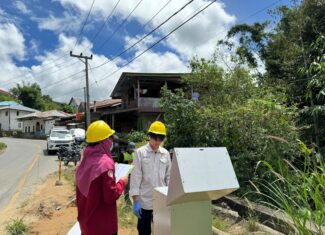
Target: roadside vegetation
column 30, row 95
column 271, row 120
column 3, row 146
column 17, row 227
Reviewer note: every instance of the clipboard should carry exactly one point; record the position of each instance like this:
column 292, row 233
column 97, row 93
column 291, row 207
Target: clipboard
column 122, row 170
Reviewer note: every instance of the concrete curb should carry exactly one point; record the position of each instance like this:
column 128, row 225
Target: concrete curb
column 267, row 216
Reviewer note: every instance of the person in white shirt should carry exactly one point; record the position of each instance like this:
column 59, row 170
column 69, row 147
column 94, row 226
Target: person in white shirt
column 151, row 169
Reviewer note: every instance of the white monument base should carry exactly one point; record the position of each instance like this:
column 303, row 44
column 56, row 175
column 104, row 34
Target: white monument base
column 191, row 218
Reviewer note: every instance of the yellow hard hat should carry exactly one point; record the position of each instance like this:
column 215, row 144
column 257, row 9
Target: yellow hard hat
column 98, row 131
column 158, row 128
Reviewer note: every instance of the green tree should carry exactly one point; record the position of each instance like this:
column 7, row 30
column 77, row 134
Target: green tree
column 30, row 95
column 287, row 52
column 251, row 121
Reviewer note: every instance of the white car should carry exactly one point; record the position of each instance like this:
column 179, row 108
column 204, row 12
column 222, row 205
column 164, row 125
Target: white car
column 78, row 134
column 57, row 138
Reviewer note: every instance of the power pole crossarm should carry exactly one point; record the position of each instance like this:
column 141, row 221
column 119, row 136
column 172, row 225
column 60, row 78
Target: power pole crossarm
column 86, row 58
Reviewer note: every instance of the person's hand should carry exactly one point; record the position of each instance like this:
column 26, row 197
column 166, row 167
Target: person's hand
column 125, row 179
column 137, row 208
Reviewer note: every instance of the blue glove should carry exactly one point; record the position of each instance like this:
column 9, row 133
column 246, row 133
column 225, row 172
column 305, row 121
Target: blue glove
column 137, row 208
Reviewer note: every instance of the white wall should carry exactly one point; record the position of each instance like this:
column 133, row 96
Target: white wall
column 29, row 126
column 14, row 123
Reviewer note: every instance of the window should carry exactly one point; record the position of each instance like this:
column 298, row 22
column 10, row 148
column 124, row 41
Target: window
column 33, row 128
column 41, row 127
column 28, row 129
column 17, row 113
column 6, row 113
column 25, row 129
column 19, row 125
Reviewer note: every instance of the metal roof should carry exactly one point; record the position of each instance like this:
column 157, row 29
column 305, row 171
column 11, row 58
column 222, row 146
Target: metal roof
column 18, row 107
column 7, row 103
column 126, row 79
column 105, row 103
column 45, row 115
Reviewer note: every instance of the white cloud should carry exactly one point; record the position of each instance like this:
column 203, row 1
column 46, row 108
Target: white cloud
column 67, row 23
column 11, row 48
column 198, row 37
column 22, row 7
column 11, row 42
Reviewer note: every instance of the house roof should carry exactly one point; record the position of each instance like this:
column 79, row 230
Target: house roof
column 76, row 100
column 127, row 78
column 106, row 103
column 7, row 103
column 18, row 107
column 45, row 115
column 3, row 91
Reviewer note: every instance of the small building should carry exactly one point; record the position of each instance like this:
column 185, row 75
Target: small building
column 6, row 93
column 74, row 102
column 98, row 108
column 10, row 111
column 140, row 96
column 41, row 123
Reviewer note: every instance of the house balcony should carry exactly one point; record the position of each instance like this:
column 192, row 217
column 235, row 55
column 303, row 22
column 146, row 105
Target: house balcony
column 145, row 104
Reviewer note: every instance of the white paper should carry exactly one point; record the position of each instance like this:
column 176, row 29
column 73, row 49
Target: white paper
column 122, row 170
column 75, row 230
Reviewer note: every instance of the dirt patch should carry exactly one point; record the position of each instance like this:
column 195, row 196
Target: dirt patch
column 51, row 210
column 46, row 210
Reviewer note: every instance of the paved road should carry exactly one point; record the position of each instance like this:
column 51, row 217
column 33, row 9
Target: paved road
column 24, row 164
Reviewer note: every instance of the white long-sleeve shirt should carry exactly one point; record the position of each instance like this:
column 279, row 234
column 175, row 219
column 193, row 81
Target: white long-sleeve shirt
column 151, row 169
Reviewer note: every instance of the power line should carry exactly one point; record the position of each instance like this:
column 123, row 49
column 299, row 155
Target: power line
column 119, row 26
column 157, row 42
column 240, row 21
column 61, row 80
column 148, row 34
column 85, row 22
column 9, row 81
column 102, row 26
column 165, row 21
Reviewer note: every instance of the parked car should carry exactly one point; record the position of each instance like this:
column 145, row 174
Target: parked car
column 78, row 134
column 57, row 138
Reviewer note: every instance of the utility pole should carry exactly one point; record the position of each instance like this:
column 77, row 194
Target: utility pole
column 9, row 118
column 85, row 97
column 87, row 83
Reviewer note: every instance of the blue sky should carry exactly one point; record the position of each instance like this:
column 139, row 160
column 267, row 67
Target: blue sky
column 37, row 35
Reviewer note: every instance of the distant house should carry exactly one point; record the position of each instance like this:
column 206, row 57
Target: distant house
column 4, row 92
column 41, row 123
column 139, row 95
column 99, row 108
column 10, row 112
column 75, row 102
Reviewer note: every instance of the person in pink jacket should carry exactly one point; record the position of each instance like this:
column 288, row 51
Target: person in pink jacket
column 96, row 188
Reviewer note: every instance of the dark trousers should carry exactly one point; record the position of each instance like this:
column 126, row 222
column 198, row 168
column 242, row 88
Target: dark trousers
column 126, row 192
column 144, row 224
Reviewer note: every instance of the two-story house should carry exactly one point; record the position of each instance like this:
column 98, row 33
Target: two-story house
column 140, row 95
column 10, row 112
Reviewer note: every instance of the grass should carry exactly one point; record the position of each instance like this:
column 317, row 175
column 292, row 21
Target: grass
column 3, row 146
column 17, row 227
column 251, row 224
column 24, row 203
column 220, row 224
column 69, row 175
column 298, row 193
column 126, row 217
